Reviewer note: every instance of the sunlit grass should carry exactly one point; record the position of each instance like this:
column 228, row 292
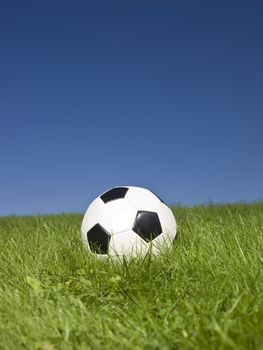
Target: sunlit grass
column 205, row 293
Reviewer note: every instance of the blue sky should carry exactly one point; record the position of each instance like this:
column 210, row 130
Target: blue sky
column 161, row 94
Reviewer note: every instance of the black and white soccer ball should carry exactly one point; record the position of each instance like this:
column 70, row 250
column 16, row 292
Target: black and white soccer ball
column 127, row 221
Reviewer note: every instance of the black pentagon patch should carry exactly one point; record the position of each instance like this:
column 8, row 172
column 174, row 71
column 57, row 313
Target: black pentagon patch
column 114, row 193
column 147, row 225
column 98, row 239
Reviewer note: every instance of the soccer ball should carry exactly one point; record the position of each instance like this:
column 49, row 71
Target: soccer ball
column 127, row 221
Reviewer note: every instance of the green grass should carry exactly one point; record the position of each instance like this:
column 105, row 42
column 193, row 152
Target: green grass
column 205, row 293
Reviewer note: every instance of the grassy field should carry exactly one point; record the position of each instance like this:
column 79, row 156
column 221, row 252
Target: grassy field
column 205, row 293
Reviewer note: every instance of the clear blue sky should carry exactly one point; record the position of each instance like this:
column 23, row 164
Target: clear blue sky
column 162, row 94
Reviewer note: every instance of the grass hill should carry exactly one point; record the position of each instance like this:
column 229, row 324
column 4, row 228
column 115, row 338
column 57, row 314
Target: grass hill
column 205, row 293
